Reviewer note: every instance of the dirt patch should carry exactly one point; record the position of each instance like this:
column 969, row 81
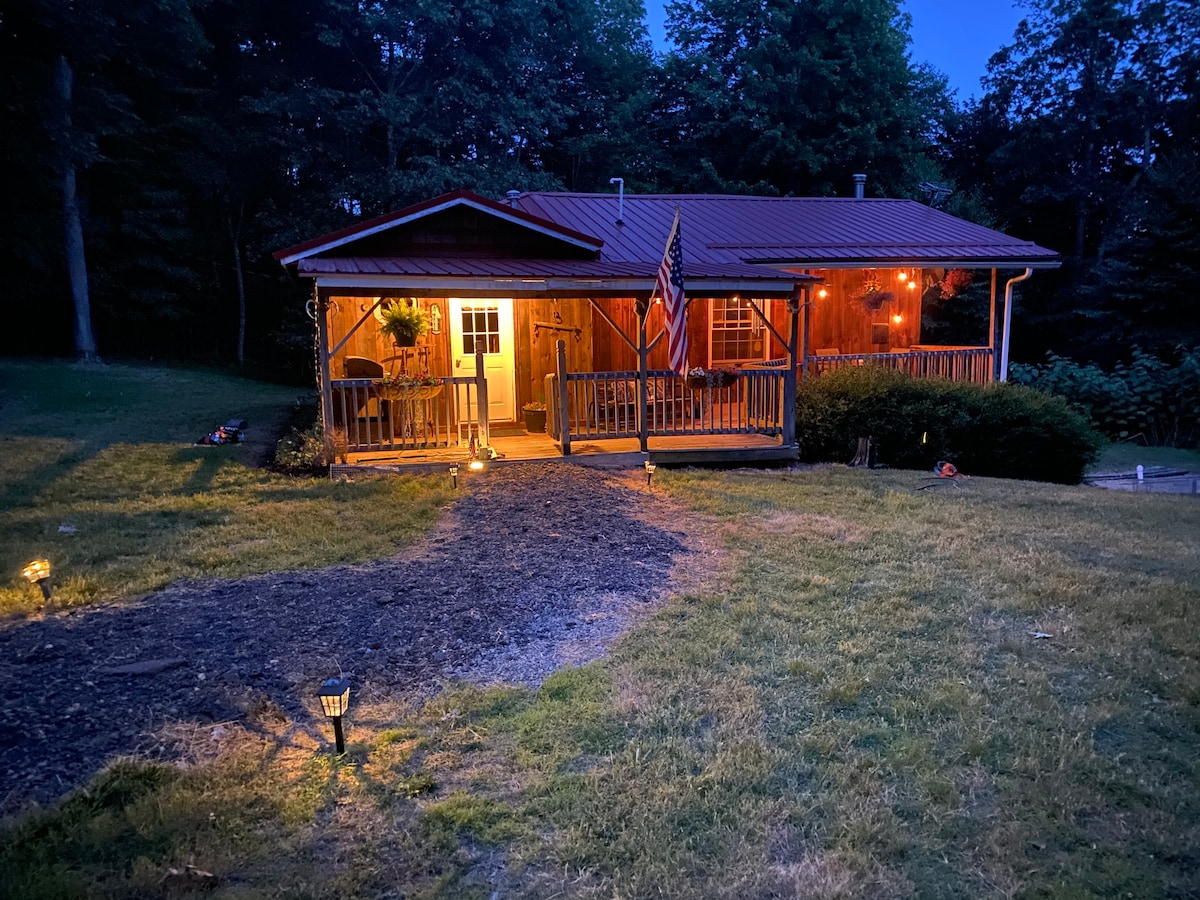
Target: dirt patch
column 537, row 567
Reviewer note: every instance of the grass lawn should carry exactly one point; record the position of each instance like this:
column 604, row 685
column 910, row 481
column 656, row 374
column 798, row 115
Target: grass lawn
column 985, row 688
column 1127, row 457
column 108, row 451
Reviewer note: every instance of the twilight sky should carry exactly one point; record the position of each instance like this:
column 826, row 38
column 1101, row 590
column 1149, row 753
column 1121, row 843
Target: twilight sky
column 954, row 36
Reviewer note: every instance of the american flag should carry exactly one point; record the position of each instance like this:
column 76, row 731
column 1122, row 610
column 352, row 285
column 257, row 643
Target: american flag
column 670, row 287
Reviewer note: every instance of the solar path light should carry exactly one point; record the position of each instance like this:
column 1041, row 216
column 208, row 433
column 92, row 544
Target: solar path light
column 335, row 698
column 454, row 475
column 650, row 467
column 38, row 572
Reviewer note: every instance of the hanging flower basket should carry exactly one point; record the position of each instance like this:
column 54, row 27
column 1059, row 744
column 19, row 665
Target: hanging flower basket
column 701, row 379
column 410, row 387
column 873, row 301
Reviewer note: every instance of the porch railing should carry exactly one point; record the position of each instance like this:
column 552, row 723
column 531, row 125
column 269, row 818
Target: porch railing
column 377, row 420
column 603, row 405
column 958, row 363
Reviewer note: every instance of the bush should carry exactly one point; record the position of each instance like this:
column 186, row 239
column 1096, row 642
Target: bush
column 309, row 451
column 1154, row 400
column 1002, row 430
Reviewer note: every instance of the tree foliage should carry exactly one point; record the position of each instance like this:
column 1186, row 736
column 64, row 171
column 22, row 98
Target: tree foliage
column 1086, row 129
column 793, row 97
column 203, row 134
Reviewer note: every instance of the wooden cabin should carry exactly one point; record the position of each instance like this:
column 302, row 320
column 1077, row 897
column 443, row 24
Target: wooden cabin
column 548, row 298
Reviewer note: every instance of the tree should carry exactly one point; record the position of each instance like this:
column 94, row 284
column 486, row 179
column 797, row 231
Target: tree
column 793, row 97
column 67, row 71
column 1076, row 118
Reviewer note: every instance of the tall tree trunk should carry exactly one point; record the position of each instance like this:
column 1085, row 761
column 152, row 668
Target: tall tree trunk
column 85, row 341
column 235, row 229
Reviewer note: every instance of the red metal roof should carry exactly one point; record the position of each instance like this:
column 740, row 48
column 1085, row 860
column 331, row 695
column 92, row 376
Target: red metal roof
column 783, row 231
column 409, row 213
column 731, row 238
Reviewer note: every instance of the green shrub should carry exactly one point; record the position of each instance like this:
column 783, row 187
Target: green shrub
column 1002, row 430
column 309, row 451
column 1151, row 399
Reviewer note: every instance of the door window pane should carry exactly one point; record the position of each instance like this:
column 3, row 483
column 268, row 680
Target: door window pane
column 480, row 329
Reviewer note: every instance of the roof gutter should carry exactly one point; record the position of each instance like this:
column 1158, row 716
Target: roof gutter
column 543, row 285
column 1008, row 296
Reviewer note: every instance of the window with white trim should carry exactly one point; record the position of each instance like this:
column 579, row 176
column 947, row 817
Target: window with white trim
column 736, row 332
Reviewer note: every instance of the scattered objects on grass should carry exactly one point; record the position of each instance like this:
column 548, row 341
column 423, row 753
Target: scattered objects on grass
column 232, row 432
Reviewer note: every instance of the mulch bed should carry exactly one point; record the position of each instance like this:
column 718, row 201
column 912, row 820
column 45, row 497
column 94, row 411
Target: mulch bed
column 535, row 567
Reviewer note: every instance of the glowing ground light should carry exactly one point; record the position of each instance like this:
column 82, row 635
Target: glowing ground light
column 38, row 572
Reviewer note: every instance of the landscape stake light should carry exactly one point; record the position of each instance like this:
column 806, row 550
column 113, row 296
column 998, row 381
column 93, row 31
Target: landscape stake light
column 335, row 698
column 454, row 475
column 475, row 465
column 650, row 467
column 38, row 572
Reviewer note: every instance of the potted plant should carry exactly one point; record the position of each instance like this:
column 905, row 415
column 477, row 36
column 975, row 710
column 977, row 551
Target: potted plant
column 403, row 321
column 534, row 413
column 701, row 378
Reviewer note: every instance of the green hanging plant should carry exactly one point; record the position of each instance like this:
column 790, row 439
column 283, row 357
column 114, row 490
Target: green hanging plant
column 403, row 321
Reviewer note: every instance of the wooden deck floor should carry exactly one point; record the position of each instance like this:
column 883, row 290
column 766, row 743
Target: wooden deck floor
column 618, row 453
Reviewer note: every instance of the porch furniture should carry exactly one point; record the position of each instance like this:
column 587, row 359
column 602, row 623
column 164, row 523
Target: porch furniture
column 361, row 367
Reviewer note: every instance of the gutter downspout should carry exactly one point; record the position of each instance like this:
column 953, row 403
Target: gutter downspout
column 1008, row 298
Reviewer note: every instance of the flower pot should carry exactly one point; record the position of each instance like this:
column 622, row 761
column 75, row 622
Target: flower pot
column 535, row 420
column 406, row 340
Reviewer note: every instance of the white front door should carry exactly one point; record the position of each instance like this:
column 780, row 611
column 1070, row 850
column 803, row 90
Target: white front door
column 486, row 325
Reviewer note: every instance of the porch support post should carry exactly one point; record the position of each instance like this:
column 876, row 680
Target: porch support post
column 992, row 368
column 481, row 404
column 321, row 313
column 564, row 423
column 803, row 297
column 788, row 414
column 642, row 306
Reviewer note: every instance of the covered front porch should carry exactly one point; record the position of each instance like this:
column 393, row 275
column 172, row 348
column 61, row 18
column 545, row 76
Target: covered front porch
column 523, row 313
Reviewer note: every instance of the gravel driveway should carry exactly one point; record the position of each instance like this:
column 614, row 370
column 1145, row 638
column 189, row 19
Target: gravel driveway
column 536, row 567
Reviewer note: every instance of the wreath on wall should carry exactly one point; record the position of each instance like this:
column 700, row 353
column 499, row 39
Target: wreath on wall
column 872, row 296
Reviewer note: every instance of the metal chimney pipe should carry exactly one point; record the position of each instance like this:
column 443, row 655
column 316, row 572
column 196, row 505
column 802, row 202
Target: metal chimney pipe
column 512, row 198
column 620, row 183
column 860, row 184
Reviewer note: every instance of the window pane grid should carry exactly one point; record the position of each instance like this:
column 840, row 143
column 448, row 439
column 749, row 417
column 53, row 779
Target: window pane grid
column 734, row 335
column 480, row 329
